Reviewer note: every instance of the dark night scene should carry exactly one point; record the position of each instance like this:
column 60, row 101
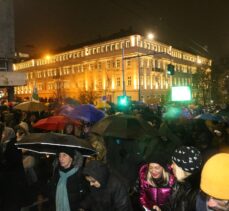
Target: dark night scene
column 114, row 105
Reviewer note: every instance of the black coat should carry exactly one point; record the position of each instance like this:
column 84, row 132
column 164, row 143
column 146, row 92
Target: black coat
column 112, row 195
column 184, row 195
column 13, row 191
column 77, row 188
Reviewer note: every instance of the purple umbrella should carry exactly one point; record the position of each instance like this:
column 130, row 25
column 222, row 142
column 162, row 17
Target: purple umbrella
column 87, row 113
column 65, row 110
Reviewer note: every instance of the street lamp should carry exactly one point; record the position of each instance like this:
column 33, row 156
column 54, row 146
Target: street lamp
column 150, row 36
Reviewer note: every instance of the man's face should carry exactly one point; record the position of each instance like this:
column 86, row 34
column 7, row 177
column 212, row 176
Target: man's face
column 217, row 204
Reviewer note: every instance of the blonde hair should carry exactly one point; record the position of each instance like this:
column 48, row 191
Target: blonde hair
column 165, row 178
column 180, row 174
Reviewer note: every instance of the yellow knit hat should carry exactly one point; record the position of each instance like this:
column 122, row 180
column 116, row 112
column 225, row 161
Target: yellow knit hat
column 215, row 176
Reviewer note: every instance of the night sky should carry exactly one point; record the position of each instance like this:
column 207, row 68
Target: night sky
column 199, row 26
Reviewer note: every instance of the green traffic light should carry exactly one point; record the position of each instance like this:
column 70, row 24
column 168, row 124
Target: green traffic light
column 123, row 103
column 170, row 69
column 123, row 100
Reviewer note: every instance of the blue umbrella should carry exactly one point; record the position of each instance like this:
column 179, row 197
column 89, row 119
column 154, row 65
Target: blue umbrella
column 208, row 116
column 87, row 113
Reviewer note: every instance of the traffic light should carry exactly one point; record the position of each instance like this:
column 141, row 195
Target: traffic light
column 170, row 69
column 123, row 102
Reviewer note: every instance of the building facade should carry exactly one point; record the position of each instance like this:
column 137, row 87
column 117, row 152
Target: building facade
column 100, row 68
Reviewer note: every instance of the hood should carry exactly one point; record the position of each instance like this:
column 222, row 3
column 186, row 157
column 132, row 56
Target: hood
column 98, row 170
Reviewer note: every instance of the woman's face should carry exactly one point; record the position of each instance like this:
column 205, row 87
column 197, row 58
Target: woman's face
column 155, row 170
column 93, row 182
column 65, row 160
column 179, row 173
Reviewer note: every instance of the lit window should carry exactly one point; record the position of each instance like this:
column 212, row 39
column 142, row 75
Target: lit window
column 128, row 63
column 117, row 63
column 127, row 44
column 118, row 82
column 99, row 65
column 108, row 64
column 129, row 80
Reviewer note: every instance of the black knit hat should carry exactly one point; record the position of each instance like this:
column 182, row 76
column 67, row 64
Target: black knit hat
column 67, row 150
column 188, row 158
column 158, row 158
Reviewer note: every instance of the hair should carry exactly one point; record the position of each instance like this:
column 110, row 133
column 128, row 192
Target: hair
column 180, row 174
column 164, row 181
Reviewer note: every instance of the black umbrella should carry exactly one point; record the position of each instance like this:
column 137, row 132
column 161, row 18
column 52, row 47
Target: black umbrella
column 123, row 126
column 51, row 143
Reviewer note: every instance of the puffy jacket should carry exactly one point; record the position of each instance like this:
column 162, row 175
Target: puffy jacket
column 150, row 195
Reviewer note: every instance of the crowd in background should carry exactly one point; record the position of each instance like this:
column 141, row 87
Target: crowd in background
column 158, row 173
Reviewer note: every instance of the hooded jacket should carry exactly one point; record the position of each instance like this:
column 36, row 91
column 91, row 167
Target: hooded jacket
column 112, row 194
column 150, row 195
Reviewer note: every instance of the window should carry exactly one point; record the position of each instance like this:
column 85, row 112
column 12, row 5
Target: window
column 129, row 80
column 117, row 63
column 127, row 44
column 100, row 83
column 99, row 65
column 107, row 48
column 108, row 64
column 128, row 63
column 118, row 82
column 117, row 45
column 91, row 67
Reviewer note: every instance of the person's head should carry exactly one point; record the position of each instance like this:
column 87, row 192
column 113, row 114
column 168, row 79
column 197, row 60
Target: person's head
column 155, row 170
column 96, row 173
column 157, row 165
column 93, row 182
column 69, row 129
column 215, row 182
column 22, row 129
column 186, row 160
column 66, row 157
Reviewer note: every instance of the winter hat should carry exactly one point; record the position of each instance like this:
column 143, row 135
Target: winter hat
column 68, row 151
column 188, row 158
column 158, row 158
column 215, row 176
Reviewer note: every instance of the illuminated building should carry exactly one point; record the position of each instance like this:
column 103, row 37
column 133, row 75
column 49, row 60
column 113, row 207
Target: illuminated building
column 98, row 67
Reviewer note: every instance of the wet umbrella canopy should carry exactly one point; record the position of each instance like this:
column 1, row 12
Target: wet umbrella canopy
column 54, row 123
column 123, row 126
column 50, row 143
column 87, row 113
column 31, row 106
column 209, row 116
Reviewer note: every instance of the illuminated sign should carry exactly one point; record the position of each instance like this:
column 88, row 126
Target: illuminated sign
column 181, row 93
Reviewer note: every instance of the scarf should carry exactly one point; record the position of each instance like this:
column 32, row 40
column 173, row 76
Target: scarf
column 62, row 202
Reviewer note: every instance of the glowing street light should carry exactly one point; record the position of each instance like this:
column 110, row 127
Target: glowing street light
column 150, row 36
column 47, row 57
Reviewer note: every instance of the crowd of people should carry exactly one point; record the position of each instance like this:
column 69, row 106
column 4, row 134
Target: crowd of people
column 184, row 167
